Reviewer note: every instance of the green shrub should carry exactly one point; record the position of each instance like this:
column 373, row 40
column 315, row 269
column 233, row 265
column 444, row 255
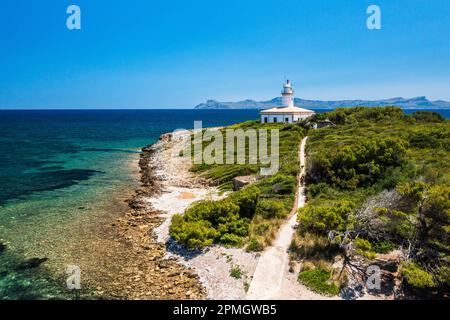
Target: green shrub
column 246, row 199
column 318, row 280
column 317, row 189
column 192, row 233
column 270, row 209
column 423, row 140
column 255, row 245
column 323, row 219
column 394, row 224
column 416, row 276
column 206, row 222
column 427, row 116
column 261, row 228
column 225, row 221
column 231, row 239
column 361, row 114
column 383, row 247
column 363, row 244
column 213, row 211
column 356, row 164
column 283, row 184
column 364, row 247
column 236, row 272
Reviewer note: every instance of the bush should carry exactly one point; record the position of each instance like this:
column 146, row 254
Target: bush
column 192, row 233
column 364, row 248
column 206, row 222
column 246, row 199
column 261, row 228
column 357, row 164
column 363, row 244
column 255, row 245
column 318, row 189
column 283, row 184
column 225, row 221
column 423, row 140
column 361, row 114
column 231, row 239
column 318, row 281
column 394, row 225
column 322, row 219
column 427, row 116
column 416, row 276
column 383, row 247
column 213, row 211
column 269, row 209
column 236, row 272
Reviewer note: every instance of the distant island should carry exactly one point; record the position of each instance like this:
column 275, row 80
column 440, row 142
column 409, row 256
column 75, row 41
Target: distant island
column 412, row 103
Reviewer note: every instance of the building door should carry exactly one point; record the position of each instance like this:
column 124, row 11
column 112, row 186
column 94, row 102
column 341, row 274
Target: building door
column 287, row 119
column 275, row 119
column 265, row 119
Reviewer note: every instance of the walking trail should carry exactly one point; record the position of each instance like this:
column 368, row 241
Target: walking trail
column 271, row 272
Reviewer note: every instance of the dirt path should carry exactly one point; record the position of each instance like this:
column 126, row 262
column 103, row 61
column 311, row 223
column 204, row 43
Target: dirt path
column 271, row 272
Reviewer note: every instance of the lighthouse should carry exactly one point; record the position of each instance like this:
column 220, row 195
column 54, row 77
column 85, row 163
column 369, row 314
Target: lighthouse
column 287, row 113
column 287, row 94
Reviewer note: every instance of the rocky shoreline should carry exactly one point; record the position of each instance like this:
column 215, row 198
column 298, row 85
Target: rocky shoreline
column 151, row 274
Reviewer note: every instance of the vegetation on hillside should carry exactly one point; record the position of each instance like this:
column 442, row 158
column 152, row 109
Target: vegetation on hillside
column 377, row 181
column 251, row 215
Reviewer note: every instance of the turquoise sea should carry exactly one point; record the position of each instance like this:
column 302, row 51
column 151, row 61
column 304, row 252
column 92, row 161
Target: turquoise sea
column 65, row 174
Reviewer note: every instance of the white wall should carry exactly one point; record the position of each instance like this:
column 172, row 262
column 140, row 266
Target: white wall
column 300, row 117
column 287, row 101
column 280, row 118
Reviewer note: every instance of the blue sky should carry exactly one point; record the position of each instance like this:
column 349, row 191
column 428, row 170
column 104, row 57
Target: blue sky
column 176, row 54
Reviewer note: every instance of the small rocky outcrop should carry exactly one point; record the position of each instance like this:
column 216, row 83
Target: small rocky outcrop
column 167, row 137
column 243, row 181
column 31, row 263
column 2, row 247
column 150, row 182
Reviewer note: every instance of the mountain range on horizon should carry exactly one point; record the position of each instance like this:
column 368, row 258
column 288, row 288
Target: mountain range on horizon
column 412, row 103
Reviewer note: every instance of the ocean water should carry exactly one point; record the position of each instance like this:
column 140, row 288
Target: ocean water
column 62, row 174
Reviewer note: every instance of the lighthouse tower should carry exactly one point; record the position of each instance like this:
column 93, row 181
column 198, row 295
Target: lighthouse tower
column 287, row 95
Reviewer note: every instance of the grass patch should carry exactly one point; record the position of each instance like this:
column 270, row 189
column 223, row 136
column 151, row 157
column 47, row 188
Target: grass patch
column 318, row 281
column 236, row 272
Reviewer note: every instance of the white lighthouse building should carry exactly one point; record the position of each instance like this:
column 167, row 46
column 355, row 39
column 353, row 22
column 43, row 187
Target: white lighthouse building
column 287, row 94
column 288, row 113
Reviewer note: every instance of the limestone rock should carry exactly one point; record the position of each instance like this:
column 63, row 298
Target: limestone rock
column 242, row 181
